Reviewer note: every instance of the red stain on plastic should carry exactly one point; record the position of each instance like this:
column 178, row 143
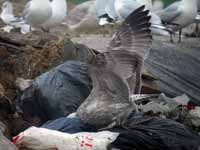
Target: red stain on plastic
column 15, row 139
column 86, row 142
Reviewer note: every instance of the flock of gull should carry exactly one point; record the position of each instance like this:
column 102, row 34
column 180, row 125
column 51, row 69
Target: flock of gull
column 116, row 74
column 49, row 13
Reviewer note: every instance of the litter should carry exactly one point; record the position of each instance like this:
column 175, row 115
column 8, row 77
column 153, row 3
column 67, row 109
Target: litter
column 56, row 93
column 161, row 103
column 195, row 116
column 44, row 139
column 142, row 132
column 139, row 132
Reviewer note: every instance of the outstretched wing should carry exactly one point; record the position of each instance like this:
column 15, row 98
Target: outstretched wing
column 134, row 40
column 125, row 54
column 134, row 34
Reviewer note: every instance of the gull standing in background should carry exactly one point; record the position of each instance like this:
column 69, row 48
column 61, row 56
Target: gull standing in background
column 180, row 14
column 125, row 7
column 12, row 21
column 105, row 11
column 106, row 14
column 45, row 13
column 59, row 13
column 37, row 12
column 197, row 19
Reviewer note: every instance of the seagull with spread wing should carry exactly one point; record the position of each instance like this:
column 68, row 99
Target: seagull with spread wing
column 109, row 102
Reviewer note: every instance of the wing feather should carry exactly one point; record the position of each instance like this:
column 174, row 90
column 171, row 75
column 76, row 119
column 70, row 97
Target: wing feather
column 128, row 48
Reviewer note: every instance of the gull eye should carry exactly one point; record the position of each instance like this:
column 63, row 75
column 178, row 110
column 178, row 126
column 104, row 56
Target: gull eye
column 51, row 0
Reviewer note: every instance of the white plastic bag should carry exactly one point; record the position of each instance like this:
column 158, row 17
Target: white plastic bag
column 44, row 139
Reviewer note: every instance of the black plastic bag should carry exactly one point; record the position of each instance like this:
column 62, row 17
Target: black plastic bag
column 56, row 93
column 147, row 133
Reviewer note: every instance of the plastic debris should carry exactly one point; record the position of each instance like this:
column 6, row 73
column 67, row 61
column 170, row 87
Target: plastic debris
column 195, row 116
column 56, row 93
column 44, row 139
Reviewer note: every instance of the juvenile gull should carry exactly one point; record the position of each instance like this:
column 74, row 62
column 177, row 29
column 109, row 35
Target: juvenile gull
column 12, row 21
column 109, row 102
column 180, row 14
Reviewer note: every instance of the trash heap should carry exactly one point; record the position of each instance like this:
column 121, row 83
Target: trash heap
column 48, row 101
column 51, row 91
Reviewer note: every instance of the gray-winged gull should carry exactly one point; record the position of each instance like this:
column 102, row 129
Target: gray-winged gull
column 197, row 19
column 109, row 102
column 45, row 13
column 11, row 20
column 105, row 10
column 180, row 14
column 124, row 7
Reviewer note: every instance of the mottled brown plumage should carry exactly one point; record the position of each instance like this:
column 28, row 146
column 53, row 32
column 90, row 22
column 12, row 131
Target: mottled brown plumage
column 109, row 101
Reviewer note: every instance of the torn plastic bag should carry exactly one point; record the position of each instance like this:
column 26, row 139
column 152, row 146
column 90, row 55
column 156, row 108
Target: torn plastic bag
column 44, row 139
column 69, row 125
column 147, row 133
column 56, row 93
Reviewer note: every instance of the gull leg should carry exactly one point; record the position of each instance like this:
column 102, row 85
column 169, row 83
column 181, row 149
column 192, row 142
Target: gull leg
column 103, row 31
column 171, row 38
column 197, row 29
column 45, row 33
column 111, row 30
column 180, row 33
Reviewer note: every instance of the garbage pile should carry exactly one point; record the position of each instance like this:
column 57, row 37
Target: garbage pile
column 95, row 103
